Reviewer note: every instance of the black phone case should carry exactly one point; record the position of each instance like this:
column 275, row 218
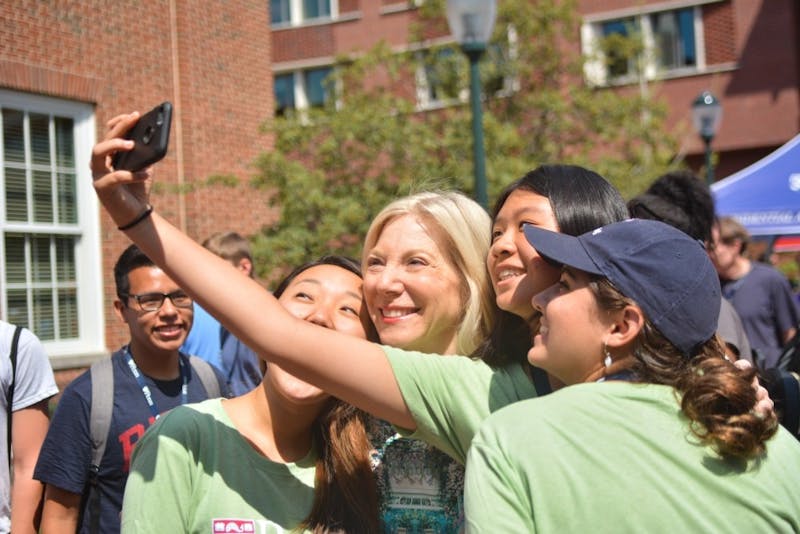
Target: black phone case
column 151, row 138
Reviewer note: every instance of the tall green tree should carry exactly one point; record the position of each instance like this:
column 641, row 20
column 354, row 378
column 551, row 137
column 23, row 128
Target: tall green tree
column 334, row 168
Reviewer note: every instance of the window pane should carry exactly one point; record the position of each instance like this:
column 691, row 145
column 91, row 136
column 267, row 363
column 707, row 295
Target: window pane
column 13, row 140
column 315, row 86
column 40, row 139
column 495, row 69
column 280, row 11
column 65, row 143
column 68, row 313
column 40, row 260
column 617, row 39
column 67, row 198
column 686, row 31
column 43, row 313
column 16, row 198
column 445, row 75
column 42, row 197
column 316, row 8
column 65, row 259
column 674, row 38
column 284, row 93
column 15, row 259
column 18, row 308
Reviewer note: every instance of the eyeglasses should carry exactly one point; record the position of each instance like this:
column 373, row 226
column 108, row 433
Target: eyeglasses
column 153, row 301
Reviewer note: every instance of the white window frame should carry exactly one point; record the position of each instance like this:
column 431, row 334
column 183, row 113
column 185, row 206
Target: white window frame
column 90, row 342
column 296, row 15
column 595, row 70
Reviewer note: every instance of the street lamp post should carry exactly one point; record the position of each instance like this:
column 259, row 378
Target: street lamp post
column 471, row 22
column 706, row 116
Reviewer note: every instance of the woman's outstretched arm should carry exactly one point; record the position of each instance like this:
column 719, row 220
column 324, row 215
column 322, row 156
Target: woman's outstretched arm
column 349, row 368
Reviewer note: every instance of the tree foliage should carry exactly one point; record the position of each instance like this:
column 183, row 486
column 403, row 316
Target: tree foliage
column 334, row 168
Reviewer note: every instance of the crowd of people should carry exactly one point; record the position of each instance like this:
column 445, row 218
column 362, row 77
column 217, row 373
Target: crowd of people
column 553, row 366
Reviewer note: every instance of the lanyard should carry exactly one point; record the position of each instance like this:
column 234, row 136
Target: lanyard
column 148, row 396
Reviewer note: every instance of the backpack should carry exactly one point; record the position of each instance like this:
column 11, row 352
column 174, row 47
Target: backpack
column 12, row 355
column 102, row 373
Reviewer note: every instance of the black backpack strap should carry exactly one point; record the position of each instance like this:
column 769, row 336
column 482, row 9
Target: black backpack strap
column 12, row 355
column 102, row 374
column 207, row 377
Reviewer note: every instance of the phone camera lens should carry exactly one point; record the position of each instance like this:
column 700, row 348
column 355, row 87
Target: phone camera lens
column 148, row 135
column 159, row 119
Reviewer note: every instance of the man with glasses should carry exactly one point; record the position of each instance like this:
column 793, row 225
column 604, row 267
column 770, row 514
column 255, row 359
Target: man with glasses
column 150, row 376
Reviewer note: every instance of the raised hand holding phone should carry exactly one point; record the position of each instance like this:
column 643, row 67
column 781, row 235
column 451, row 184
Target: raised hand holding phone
column 151, row 139
column 125, row 194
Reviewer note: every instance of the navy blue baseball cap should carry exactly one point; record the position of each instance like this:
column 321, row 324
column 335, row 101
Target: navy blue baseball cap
column 666, row 272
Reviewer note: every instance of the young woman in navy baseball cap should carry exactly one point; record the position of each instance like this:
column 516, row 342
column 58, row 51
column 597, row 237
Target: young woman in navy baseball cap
column 656, row 432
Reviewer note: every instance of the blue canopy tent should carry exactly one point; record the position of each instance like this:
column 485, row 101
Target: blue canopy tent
column 765, row 197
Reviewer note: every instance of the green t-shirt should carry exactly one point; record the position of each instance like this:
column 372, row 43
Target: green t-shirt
column 193, row 472
column 450, row 396
column 619, row 457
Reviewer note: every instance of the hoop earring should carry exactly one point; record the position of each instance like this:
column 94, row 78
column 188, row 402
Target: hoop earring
column 607, row 361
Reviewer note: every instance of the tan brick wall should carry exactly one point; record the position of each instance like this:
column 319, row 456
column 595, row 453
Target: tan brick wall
column 119, row 56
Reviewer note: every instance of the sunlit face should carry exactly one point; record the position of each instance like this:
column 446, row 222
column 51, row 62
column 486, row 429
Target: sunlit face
column 515, row 268
column 412, row 291
column 569, row 344
column 160, row 331
column 328, row 296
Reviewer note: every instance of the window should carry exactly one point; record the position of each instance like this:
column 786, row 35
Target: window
column 280, row 11
column 50, row 280
column 617, row 33
column 649, row 45
column 443, row 76
column 301, row 89
column 315, row 86
column 674, row 36
column 297, row 12
column 284, row 93
column 314, row 9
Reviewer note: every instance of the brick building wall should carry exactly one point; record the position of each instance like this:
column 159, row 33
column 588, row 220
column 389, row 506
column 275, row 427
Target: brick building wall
column 752, row 64
column 211, row 59
column 752, row 52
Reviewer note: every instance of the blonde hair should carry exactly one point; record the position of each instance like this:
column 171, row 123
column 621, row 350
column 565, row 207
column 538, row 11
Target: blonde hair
column 460, row 227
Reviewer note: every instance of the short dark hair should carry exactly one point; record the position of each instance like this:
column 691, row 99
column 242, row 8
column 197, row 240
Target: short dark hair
column 130, row 259
column 679, row 199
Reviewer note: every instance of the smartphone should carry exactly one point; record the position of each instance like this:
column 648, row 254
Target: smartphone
column 150, row 135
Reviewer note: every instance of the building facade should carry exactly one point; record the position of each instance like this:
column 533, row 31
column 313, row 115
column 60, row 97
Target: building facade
column 746, row 52
column 66, row 68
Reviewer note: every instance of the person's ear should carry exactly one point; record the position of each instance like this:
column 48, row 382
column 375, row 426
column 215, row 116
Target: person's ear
column 246, row 266
column 119, row 307
column 626, row 326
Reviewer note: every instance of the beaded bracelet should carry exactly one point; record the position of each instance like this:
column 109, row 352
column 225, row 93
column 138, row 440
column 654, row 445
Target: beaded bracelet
column 139, row 218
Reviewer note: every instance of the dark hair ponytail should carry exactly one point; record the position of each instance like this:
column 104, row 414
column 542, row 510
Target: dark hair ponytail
column 716, row 396
column 345, row 490
column 719, row 399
